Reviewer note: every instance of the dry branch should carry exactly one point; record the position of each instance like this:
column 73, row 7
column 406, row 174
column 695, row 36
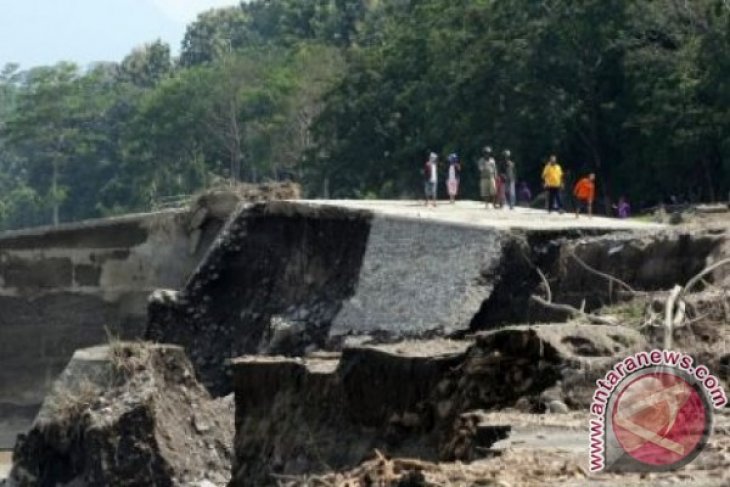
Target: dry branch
column 566, row 308
column 546, row 285
column 669, row 317
column 574, row 312
column 696, row 279
column 675, row 311
column 603, row 275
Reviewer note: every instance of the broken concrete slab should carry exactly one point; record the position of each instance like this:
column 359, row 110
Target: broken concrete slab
column 276, row 262
column 127, row 414
column 286, row 278
column 420, row 277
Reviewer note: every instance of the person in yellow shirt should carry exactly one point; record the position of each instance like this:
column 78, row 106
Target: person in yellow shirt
column 552, row 177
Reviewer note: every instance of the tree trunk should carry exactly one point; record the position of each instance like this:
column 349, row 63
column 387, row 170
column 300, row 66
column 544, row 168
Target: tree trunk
column 54, row 192
column 235, row 143
column 235, row 170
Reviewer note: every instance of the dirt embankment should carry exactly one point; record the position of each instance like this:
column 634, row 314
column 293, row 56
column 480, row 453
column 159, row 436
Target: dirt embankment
column 414, row 399
column 127, row 414
column 577, row 268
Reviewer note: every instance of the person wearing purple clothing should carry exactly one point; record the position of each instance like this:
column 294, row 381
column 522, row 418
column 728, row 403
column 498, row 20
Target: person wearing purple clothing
column 524, row 195
column 623, row 208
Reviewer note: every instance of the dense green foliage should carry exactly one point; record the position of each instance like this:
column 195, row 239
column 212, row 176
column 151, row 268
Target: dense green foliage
column 348, row 96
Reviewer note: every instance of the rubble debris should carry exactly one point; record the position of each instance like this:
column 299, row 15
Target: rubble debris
column 420, row 399
column 551, row 463
column 540, row 450
column 127, row 414
column 220, row 202
column 275, row 283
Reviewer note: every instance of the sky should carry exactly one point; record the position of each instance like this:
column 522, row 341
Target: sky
column 44, row 32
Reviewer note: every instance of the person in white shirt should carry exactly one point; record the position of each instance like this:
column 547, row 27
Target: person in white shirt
column 430, row 176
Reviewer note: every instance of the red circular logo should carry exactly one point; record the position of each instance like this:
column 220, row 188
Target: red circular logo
column 660, row 419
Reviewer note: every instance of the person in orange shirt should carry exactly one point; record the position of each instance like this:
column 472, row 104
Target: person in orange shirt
column 585, row 193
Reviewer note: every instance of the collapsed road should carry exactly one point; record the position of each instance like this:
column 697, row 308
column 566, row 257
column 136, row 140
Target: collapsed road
column 348, row 330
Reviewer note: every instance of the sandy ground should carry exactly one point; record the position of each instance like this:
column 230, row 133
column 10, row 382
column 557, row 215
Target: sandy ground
column 473, row 213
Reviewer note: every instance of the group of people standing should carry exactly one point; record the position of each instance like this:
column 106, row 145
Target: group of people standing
column 498, row 188
column 498, row 183
column 430, row 176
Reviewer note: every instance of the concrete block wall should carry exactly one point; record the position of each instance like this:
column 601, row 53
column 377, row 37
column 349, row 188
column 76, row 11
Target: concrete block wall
column 62, row 288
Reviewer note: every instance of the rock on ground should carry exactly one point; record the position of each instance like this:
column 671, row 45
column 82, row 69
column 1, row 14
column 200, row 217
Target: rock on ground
column 127, row 415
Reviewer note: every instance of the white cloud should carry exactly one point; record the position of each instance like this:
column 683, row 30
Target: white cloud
column 184, row 11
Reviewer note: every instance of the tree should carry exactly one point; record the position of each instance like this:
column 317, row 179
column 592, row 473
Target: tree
column 146, row 65
column 675, row 121
column 310, row 71
column 43, row 125
column 216, row 33
column 350, row 95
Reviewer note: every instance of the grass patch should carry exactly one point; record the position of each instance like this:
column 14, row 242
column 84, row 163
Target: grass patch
column 126, row 358
column 629, row 313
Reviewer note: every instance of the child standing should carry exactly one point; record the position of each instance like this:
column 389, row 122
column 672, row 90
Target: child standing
column 452, row 181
